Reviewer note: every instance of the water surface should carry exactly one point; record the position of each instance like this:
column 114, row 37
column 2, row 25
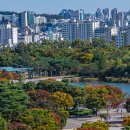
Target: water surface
column 124, row 86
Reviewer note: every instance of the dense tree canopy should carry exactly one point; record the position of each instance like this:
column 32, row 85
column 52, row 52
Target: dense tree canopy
column 13, row 100
column 41, row 119
column 96, row 59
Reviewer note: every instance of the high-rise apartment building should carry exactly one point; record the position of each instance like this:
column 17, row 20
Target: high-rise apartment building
column 113, row 17
column 23, row 19
column 106, row 13
column 83, row 30
column 40, row 20
column 72, row 14
column 27, row 18
column 8, row 35
column 98, row 13
column 120, row 19
column 31, row 18
column 121, row 38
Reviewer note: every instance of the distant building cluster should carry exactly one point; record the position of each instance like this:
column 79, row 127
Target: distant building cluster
column 27, row 27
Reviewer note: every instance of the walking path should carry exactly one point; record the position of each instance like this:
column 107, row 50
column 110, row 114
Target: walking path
column 115, row 121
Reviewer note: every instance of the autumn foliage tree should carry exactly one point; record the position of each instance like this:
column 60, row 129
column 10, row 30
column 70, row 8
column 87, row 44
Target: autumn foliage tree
column 93, row 99
column 114, row 97
column 41, row 119
column 104, row 97
column 99, row 125
column 63, row 100
column 38, row 98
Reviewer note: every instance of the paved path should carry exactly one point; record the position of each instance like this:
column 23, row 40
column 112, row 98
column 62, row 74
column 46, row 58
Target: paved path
column 115, row 128
column 57, row 78
column 115, row 121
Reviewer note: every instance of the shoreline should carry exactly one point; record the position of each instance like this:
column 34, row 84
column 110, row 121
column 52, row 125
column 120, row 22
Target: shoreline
column 85, row 79
column 77, row 79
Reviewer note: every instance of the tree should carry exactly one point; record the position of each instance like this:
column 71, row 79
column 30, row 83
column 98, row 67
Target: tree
column 62, row 99
column 127, row 104
column 54, row 86
column 113, row 96
column 99, row 125
column 3, row 123
column 93, row 99
column 41, row 119
column 39, row 98
column 13, row 100
column 104, row 97
column 89, row 70
column 29, row 86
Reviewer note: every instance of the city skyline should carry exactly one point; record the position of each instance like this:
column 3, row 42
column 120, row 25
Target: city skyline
column 53, row 7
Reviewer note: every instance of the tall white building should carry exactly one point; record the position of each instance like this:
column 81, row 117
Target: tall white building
column 8, row 35
column 55, row 36
column 25, row 39
column 40, row 20
column 123, row 37
column 83, row 30
column 14, row 36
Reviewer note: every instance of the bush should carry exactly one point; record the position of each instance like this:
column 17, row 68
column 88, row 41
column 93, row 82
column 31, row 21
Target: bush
column 99, row 125
column 81, row 112
column 126, row 121
column 18, row 126
column 29, row 86
column 104, row 115
column 64, row 116
column 127, row 128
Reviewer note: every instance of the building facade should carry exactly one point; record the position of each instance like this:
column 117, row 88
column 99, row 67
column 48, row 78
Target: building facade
column 83, row 30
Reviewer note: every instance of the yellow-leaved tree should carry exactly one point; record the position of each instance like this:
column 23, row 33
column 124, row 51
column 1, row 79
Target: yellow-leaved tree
column 62, row 99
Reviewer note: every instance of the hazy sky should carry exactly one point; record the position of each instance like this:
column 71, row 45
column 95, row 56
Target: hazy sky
column 55, row 6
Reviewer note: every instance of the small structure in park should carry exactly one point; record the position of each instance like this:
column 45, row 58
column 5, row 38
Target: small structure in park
column 11, row 73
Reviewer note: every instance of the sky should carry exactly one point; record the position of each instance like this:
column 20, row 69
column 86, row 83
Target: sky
column 55, row 6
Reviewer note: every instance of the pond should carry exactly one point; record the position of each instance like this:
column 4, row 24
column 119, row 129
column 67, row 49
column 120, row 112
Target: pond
column 124, row 86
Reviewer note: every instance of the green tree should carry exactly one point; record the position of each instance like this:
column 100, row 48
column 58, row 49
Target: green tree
column 99, row 125
column 13, row 100
column 3, row 123
column 94, row 100
column 40, row 119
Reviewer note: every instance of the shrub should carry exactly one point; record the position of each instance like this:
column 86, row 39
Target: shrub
column 80, row 112
column 18, row 126
column 29, row 86
column 64, row 116
column 126, row 121
column 99, row 125
column 127, row 128
column 104, row 115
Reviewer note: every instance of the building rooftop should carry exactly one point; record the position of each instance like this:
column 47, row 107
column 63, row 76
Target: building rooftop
column 11, row 69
